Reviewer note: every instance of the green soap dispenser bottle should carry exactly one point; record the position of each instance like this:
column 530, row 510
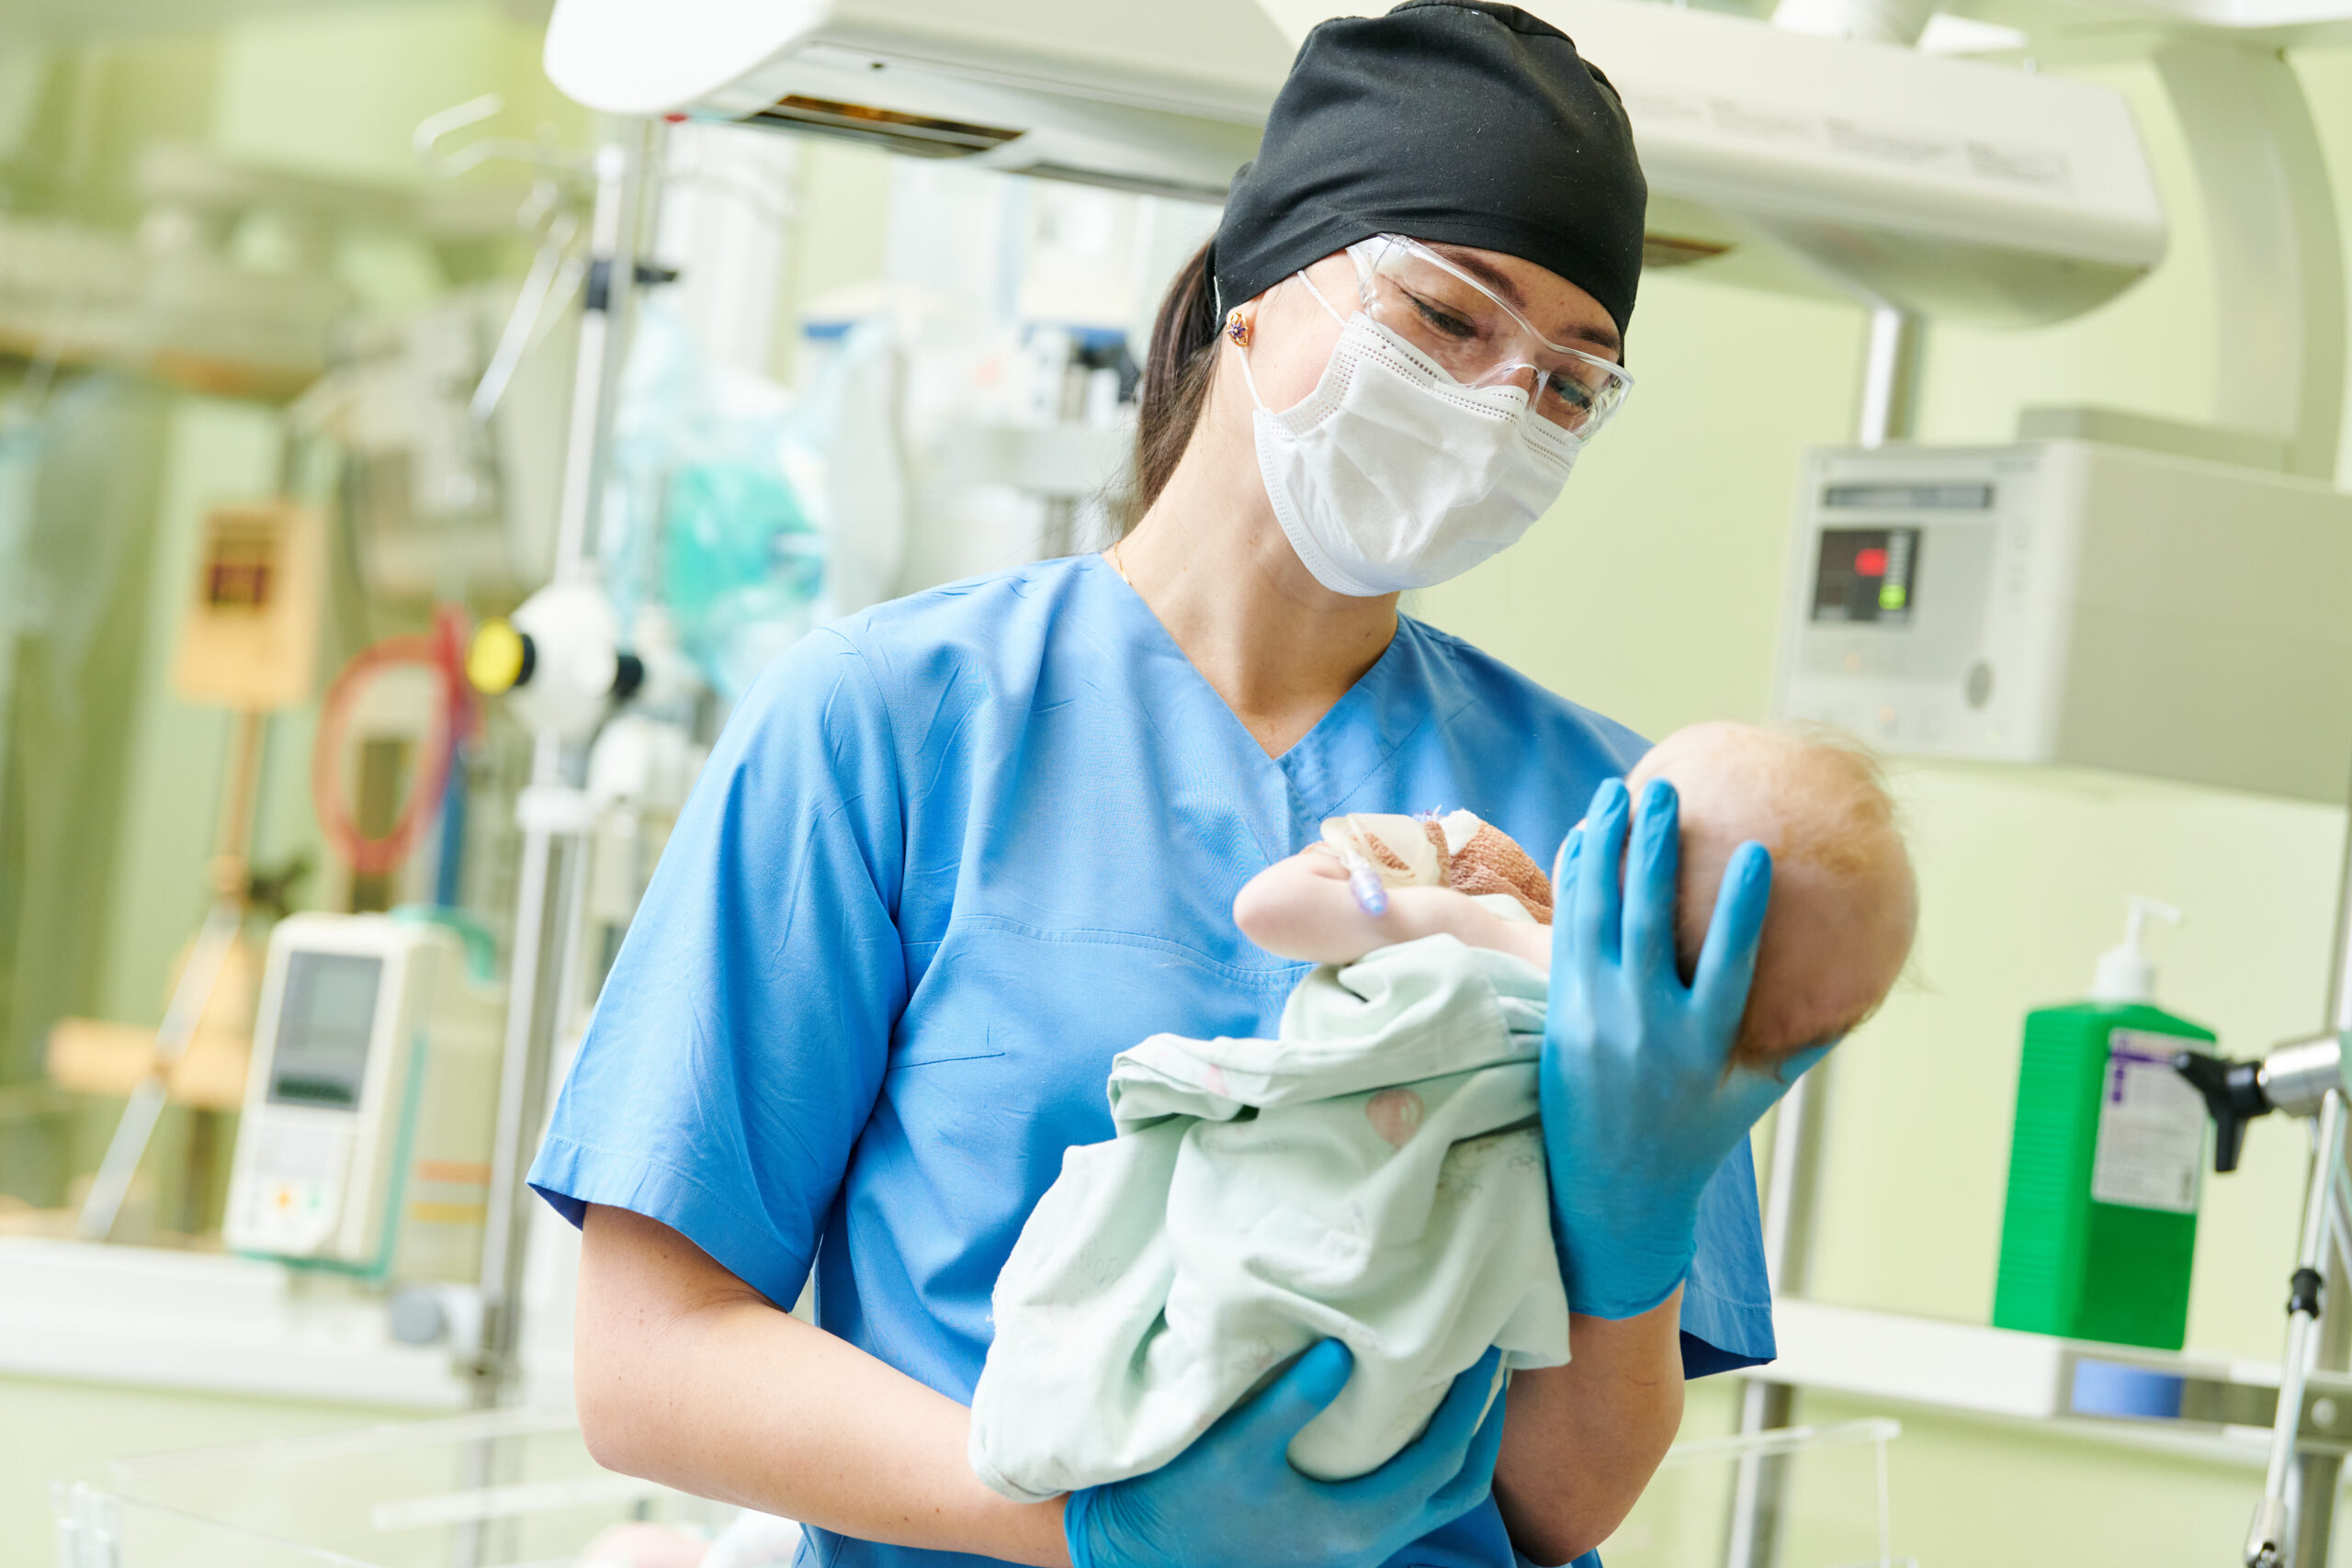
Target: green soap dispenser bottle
column 2106, row 1164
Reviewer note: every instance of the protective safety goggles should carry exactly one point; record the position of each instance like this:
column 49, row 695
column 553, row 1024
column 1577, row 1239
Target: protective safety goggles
column 1478, row 338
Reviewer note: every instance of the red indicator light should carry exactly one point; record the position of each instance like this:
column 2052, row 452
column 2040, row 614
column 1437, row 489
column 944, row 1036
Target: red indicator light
column 1870, row 563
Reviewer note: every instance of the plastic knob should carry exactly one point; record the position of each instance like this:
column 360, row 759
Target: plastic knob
column 417, row 1317
column 500, row 659
column 2234, row 1094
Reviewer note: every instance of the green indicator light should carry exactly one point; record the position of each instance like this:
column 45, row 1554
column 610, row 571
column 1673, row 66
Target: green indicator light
column 1891, row 597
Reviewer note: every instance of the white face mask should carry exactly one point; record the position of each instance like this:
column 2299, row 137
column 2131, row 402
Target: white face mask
column 1393, row 474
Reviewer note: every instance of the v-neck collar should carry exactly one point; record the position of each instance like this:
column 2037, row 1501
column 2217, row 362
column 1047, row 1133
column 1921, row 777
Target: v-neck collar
column 1343, row 751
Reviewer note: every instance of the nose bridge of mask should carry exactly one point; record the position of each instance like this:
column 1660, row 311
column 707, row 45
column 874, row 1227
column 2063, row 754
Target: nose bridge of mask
column 1496, row 385
column 1527, row 345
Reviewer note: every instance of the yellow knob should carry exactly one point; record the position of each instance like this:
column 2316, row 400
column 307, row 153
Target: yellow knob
column 499, row 660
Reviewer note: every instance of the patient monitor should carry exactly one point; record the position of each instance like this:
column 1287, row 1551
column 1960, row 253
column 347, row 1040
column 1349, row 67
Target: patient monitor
column 2068, row 602
column 365, row 1144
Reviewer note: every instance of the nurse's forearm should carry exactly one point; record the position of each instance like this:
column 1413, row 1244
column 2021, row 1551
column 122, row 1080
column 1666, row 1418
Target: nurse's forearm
column 1581, row 1441
column 687, row 1376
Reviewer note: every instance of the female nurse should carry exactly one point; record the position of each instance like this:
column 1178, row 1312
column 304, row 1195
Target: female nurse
column 955, row 851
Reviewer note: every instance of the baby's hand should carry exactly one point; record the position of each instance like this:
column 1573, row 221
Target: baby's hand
column 1303, row 907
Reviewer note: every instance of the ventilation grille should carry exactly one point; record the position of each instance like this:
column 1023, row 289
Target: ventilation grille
column 917, row 135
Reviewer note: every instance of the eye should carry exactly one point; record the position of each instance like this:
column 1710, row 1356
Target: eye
column 1568, row 392
column 1440, row 319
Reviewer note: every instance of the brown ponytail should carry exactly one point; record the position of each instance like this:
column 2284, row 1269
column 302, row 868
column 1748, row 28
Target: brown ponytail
column 1176, row 376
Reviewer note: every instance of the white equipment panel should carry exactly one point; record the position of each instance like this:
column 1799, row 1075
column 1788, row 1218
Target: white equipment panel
column 1957, row 189
column 1110, row 94
column 2063, row 602
column 365, row 1142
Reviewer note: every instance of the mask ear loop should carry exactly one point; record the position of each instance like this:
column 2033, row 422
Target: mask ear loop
column 1251, row 381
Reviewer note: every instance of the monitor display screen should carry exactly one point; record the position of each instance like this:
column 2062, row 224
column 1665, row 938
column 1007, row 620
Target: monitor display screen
column 1867, row 574
column 323, row 1022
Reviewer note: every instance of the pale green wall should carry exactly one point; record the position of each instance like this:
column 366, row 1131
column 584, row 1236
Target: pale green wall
column 1652, row 593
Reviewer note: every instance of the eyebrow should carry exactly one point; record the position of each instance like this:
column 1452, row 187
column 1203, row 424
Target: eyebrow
column 1503, row 284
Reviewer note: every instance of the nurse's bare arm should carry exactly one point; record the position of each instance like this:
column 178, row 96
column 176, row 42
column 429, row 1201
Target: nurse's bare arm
column 1581, row 1441
column 686, row 1375
column 1302, row 907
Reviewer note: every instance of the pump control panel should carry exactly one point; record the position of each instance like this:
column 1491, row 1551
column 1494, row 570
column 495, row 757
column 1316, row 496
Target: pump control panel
column 365, row 1144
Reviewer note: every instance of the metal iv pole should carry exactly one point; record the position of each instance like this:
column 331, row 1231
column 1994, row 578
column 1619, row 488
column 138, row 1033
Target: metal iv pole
column 552, row 810
column 2294, row 1523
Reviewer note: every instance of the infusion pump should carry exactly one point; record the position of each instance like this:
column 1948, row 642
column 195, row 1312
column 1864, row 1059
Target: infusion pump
column 365, row 1144
column 2073, row 603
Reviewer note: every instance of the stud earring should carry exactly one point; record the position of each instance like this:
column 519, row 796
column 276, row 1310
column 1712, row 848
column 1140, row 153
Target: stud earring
column 1237, row 329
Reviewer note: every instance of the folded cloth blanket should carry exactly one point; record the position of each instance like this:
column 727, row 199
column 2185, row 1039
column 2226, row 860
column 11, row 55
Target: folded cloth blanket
column 1373, row 1175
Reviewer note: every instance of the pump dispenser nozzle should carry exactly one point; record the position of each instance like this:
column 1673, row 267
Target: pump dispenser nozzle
column 2125, row 973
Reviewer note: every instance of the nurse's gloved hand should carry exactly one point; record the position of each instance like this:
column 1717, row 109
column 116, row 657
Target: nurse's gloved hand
column 1233, row 1500
column 1639, row 1107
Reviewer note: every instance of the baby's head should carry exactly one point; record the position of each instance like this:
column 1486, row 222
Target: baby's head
column 1844, row 906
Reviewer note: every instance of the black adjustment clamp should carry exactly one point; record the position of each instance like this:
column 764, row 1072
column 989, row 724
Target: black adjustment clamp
column 597, row 294
column 2232, row 1092
column 2304, row 1288
column 628, row 677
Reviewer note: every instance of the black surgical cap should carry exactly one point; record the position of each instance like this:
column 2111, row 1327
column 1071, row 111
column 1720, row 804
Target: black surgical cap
column 1455, row 121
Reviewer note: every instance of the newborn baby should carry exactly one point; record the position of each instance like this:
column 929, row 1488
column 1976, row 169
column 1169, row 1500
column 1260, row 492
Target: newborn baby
column 1842, row 912
column 1376, row 1173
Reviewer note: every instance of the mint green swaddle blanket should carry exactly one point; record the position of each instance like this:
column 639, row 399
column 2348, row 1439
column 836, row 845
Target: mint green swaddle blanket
column 1374, row 1175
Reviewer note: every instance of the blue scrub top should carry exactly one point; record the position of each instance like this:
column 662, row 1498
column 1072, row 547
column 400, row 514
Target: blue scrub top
column 950, row 856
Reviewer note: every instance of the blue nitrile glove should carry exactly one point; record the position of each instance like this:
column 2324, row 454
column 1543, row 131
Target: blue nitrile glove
column 1639, row 1105
column 1233, row 1500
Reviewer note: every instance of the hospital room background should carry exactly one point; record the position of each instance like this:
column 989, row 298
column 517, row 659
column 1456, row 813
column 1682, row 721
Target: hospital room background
column 281, row 257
